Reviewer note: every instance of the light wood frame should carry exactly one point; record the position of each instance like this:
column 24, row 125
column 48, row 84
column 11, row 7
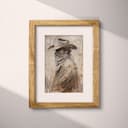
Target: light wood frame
column 32, row 62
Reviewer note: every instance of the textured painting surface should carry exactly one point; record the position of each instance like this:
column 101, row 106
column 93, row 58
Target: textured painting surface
column 63, row 63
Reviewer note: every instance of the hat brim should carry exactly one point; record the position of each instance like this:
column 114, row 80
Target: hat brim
column 68, row 46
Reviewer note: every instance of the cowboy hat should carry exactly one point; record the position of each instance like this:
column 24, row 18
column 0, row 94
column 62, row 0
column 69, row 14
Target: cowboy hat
column 62, row 43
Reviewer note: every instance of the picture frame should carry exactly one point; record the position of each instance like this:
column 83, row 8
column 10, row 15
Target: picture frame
column 86, row 35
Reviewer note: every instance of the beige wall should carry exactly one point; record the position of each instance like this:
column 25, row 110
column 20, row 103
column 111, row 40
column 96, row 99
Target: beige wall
column 14, row 111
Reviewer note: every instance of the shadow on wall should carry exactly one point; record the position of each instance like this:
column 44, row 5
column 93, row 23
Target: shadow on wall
column 113, row 13
column 15, row 113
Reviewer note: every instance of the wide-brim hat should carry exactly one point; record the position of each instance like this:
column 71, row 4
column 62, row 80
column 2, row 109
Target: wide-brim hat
column 62, row 43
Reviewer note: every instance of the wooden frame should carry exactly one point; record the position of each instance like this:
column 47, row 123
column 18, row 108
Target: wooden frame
column 32, row 62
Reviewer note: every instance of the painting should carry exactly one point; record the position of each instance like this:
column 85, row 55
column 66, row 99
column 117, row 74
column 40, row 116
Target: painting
column 64, row 63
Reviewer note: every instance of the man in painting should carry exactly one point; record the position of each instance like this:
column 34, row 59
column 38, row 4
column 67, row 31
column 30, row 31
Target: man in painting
column 66, row 76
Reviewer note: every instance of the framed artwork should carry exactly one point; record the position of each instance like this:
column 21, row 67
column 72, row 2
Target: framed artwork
column 63, row 63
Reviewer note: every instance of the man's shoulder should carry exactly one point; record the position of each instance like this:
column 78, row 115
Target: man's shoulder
column 68, row 62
